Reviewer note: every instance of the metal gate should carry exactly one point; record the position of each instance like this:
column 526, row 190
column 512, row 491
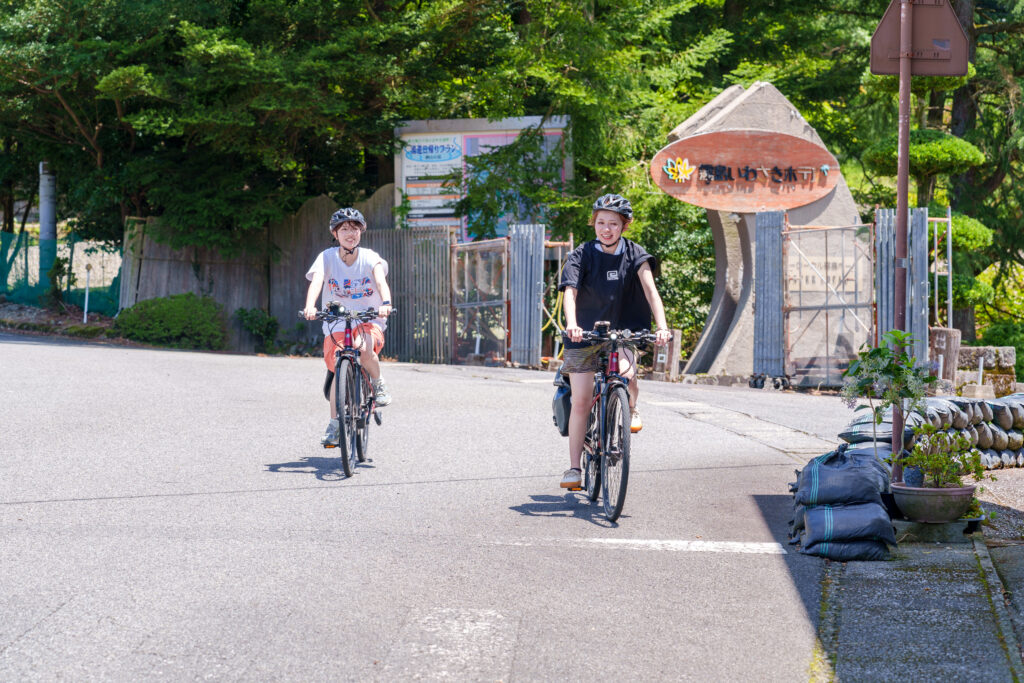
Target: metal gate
column 526, row 284
column 813, row 299
column 479, row 301
column 419, row 277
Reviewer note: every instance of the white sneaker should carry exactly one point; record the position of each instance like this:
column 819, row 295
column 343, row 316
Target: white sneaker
column 330, row 437
column 381, row 391
column 572, row 479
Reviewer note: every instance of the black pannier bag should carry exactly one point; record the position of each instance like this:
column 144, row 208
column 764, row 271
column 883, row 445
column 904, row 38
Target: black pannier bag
column 561, row 404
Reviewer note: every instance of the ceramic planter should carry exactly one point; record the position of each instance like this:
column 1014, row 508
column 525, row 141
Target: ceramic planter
column 932, row 505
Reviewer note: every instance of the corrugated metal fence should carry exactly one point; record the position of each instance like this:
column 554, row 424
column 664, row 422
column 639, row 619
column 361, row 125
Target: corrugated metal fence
column 419, row 276
column 917, row 275
column 769, row 283
column 526, row 291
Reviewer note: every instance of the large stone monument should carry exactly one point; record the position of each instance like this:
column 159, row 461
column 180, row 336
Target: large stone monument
column 747, row 150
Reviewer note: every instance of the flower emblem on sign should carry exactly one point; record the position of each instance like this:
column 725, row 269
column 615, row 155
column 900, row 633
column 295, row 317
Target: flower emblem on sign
column 678, row 169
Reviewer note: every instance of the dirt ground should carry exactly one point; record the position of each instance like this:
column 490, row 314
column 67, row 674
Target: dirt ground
column 1004, row 497
column 66, row 316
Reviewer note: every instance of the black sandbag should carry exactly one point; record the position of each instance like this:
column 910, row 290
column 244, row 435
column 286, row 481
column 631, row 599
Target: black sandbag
column 837, row 477
column 1001, row 415
column 967, row 406
column 877, row 456
column 960, row 419
column 1018, row 413
column 990, row 458
column 1014, row 439
column 972, row 435
column 986, row 411
column 943, row 409
column 860, row 430
column 860, row 522
column 999, row 437
column 849, row 550
column 984, row 435
column 1008, row 457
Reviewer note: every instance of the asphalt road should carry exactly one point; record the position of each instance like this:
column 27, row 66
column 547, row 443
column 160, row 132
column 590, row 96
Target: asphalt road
column 171, row 515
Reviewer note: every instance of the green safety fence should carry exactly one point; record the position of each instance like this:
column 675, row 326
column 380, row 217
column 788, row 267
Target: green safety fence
column 26, row 260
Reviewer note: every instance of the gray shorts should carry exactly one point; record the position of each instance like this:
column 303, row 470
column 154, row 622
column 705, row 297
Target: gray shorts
column 588, row 358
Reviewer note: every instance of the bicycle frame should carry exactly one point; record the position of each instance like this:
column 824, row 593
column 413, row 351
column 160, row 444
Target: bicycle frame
column 604, row 382
column 348, row 350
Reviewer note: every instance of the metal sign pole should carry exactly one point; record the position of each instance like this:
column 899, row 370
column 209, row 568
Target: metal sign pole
column 949, row 266
column 902, row 211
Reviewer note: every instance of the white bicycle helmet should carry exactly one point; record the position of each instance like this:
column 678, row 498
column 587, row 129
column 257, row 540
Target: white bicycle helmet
column 616, row 203
column 346, row 214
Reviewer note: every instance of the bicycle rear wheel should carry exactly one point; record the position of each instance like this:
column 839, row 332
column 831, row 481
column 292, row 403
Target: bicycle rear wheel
column 591, row 461
column 365, row 415
column 348, row 412
column 615, row 458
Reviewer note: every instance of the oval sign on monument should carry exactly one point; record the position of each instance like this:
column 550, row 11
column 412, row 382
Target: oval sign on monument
column 745, row 171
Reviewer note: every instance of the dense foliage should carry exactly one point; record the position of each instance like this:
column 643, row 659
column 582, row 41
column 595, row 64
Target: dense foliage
column 222, row 115
column 183, row 321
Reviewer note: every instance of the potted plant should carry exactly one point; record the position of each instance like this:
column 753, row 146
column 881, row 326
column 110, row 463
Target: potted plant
column 943, row 458
column 886, row 375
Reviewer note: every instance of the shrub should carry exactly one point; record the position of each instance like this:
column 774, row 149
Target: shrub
column 59, row 273
column 183, row 321
column 261, row 325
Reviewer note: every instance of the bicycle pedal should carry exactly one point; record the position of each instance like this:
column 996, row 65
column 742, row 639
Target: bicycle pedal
column 376, row 417
column 330, row 445
column 574, row 488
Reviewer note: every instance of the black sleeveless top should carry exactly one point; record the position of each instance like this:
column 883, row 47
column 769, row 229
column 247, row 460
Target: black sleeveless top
column 607, row 287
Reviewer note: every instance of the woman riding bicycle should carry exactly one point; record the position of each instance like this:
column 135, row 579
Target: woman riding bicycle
column 608, row 278
column 356, row 277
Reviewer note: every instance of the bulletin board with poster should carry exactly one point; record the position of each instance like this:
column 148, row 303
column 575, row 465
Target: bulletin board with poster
column 430, row 150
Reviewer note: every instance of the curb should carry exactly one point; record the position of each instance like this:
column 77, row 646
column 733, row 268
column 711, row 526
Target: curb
column 998, row 601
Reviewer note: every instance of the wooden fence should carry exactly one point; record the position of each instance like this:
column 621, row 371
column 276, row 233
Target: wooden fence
column 274, row 280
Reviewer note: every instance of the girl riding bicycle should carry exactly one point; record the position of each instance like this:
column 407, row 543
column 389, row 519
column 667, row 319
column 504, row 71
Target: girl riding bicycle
column 608, row 278
column 356, row 277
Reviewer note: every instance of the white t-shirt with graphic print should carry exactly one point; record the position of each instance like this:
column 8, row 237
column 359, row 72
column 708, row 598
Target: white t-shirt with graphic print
column 352, row 286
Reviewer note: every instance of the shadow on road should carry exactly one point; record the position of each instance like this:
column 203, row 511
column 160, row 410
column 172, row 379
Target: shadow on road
column 806, row 572
column 324, row 469
column 568, row 505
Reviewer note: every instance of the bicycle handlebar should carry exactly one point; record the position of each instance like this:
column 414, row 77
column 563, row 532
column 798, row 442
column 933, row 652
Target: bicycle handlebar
column 628, row 336
column 345, row 314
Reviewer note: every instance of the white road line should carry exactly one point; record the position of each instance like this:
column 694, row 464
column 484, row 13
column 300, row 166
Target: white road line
column 668, row 545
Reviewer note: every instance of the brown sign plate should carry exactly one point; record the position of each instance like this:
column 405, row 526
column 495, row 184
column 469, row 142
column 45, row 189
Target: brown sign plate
column 939, row 43
column 745, row 171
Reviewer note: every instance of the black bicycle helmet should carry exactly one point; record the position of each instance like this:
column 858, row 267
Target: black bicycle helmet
column 616, row 203
column 347, row 214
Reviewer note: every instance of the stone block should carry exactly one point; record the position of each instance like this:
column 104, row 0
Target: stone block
column 1002, row 358
column 1003, row 383
column 944, row 342
column 1006, row 357
column 978, row 391
column 971, row 355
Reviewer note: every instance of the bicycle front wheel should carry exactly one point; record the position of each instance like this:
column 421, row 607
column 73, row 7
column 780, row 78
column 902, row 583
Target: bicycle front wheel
column 348, row 413
column 365, row 415
column 615, row 458
column 591, row 461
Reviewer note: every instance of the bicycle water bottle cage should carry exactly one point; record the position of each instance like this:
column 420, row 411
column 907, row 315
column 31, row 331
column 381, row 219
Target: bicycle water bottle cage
column 602, row 327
